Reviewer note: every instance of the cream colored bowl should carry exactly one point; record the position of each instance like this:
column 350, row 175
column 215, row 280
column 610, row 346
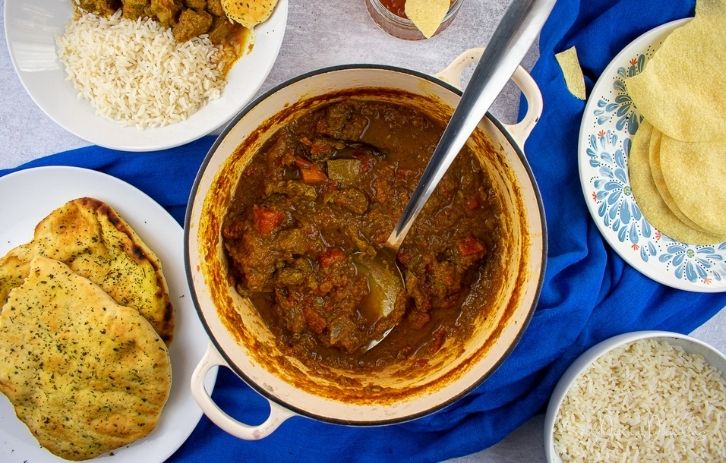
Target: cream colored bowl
column 397, row 393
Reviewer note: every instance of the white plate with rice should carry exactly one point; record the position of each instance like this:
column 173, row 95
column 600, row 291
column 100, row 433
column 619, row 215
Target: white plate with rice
column 32, row 28
column 640, row 396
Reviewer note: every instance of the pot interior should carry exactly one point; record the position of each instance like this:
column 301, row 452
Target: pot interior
column 402, row 390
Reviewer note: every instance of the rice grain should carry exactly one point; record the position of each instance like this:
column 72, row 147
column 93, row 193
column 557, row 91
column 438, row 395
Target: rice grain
column 136, row 73
column 648, row 401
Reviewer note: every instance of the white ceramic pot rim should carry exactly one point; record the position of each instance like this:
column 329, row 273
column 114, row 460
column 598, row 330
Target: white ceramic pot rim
column 225, row 356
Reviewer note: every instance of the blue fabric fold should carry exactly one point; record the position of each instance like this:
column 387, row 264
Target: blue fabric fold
column 589, row 293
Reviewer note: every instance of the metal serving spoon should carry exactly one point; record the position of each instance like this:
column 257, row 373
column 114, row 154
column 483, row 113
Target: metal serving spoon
column 512, row 38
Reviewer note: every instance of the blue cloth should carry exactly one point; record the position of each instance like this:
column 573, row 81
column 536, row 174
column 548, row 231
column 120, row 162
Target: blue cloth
column 589, row 293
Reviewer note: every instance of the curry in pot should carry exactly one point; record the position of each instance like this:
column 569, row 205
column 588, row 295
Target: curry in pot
column 330, row 185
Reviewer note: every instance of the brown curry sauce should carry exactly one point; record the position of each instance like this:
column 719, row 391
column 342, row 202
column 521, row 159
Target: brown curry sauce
column 332, row 183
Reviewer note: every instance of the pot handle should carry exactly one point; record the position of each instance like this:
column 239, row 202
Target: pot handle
column 277, row 416
column 520, row 131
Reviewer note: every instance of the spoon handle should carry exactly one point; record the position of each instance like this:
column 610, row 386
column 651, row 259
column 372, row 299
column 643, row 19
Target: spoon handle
column 512, row 38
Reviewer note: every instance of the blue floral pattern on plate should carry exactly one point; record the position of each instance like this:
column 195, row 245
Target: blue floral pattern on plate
column 621, row 108
column 608, row 125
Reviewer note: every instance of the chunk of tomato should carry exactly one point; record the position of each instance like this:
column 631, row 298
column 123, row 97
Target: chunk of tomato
column 266, row 219
column 470, row 246
column 330, row 257
column 311, row 173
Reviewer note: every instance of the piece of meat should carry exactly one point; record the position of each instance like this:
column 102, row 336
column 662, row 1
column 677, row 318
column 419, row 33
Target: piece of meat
column 221, row 29
column 290, row 276
column 254, row 261
column 418, row 318
column 316, row 323
column 322, row 148
column 383, row 189
column 215, row 7
column 134, row 9
column 351, row 199
column 196, row 4
column 343, row 123
column 165, row 11
column 293, row 241
column 100, row 7
column 234, row 228
column 280, row 153
column 289, row 308
column 344, row 333
column 191, row 24
column 293, row 189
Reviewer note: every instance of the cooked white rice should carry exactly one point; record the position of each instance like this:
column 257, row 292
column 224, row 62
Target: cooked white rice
column 136, row 73
column 648, row 401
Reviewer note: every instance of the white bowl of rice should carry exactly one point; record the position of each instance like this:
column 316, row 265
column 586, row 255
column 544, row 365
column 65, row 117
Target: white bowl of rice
column 640, row 396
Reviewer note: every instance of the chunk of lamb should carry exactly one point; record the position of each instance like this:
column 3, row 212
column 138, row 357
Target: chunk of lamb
column 196, row 4
column 342, row 122
column 165, row 11
column 215, row 7
column 100, row 7
column 221, row 29
column 191, row 24
column 134, row 9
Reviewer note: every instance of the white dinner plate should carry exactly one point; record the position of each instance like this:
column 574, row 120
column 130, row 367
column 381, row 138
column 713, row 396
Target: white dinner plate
column 606, row 133
column 28, row 196
column 31, row 28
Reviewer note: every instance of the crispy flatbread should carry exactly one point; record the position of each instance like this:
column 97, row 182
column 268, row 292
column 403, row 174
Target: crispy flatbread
column 95, row 242
column 427, row 15
column 572, row 72
column 680, row 91
column 657, row 173
column 695, row 174
column 249, row 13
column 649, row 200
column 85, row 374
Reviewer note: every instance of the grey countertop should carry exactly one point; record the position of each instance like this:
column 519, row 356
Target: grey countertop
column 324, row 33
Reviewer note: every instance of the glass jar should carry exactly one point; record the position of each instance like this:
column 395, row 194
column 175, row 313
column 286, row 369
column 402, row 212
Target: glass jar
column 403, row 27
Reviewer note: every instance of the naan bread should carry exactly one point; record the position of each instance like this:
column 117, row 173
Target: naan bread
column 85, row 374
column 95, row 242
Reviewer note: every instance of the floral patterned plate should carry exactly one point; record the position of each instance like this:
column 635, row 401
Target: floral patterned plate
column 608, row 126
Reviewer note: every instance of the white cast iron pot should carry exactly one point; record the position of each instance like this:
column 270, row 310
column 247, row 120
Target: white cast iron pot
column 240, row 339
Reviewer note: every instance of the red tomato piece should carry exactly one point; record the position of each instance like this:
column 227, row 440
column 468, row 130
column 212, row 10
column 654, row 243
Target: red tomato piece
column 266, row 219
column 311, row 173
column 470, row 246
column 330, row 257
column 472, row 204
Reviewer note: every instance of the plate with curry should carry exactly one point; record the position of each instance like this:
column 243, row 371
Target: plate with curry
column 94, row 311
column 142, row 75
